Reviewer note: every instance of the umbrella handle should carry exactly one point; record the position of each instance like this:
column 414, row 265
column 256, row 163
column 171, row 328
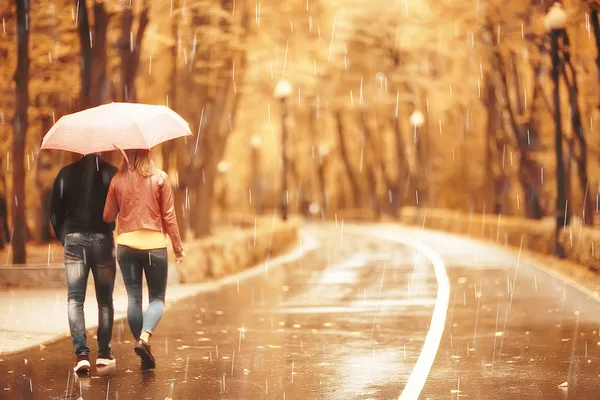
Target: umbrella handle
column 122, row 152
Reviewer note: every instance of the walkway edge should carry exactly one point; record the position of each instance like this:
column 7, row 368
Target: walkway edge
column 418, row 376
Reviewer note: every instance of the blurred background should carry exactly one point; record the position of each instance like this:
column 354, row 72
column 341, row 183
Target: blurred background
column 317, row 108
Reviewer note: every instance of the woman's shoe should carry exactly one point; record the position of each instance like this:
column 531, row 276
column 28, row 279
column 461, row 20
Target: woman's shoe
column 142, row 349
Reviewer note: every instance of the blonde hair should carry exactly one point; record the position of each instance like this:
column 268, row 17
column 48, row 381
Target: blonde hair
column 138, row 161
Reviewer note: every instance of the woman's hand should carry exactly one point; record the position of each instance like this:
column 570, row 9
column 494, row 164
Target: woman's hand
column 179, row 257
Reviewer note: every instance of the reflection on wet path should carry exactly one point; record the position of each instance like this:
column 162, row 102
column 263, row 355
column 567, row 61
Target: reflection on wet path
column 347, row 321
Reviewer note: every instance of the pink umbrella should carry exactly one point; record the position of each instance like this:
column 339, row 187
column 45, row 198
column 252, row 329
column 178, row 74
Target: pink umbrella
column 123, row 126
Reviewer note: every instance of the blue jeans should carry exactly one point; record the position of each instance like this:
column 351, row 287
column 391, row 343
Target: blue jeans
column 95, row 252
column 155, row 264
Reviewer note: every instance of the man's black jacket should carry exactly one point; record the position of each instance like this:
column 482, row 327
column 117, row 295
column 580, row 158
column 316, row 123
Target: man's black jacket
column 79, row 195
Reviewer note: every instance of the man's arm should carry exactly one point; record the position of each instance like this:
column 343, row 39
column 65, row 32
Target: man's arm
column 58, row 209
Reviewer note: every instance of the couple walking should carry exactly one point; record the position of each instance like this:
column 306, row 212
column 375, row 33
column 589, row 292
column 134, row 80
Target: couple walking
column 88, row 196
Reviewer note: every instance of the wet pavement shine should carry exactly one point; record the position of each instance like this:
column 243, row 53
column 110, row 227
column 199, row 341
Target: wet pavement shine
column 348, row 321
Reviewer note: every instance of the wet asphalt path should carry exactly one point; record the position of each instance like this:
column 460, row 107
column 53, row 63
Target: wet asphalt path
column 348, row 321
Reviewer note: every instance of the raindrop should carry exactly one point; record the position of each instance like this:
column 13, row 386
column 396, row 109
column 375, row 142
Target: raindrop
column 331, row 42
column 187, row 361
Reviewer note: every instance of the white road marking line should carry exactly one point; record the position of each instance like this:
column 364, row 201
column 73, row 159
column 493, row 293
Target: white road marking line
column 418, row 376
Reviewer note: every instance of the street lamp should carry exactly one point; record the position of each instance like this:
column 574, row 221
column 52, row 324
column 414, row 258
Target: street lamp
column 324, row 151
column 417, row 119
column 282, row 92
column 555, row 23
column 222, row 167
column 255, row 145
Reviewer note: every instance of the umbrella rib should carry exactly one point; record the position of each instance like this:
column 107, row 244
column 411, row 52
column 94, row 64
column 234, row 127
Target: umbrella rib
column 141, row 133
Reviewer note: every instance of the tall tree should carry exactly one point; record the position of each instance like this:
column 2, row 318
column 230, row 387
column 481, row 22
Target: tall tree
column 20, row 125
column 216, row 70
column 570, row 76
column 353, row 179
column 517, row 119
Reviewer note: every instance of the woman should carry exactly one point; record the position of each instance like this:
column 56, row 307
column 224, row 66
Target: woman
column 143, row 198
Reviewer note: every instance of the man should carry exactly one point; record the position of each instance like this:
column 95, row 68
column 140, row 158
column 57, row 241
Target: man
column 78, row 199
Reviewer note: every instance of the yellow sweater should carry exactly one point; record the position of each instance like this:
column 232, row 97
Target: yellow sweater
column 143, row 239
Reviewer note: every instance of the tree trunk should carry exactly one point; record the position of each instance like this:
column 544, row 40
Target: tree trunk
column 528, row 175
column 99, row 88
column 93, row 55
column 347, row 163
column 87, row 59
column 562, row 218
column 202, row 217
column 167, row 147
column 130, row 49
column 398, row 194
column 494, row 179
column 371, row 159
column 321, row 168
column 420, row 161
column 182, row 196
column 587, row 208
column 42, row 233
column 220, row 123
column 524, row 134
column 20, row 126
column 596, row 27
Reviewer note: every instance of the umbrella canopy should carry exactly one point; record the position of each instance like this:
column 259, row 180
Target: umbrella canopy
column 124, row 126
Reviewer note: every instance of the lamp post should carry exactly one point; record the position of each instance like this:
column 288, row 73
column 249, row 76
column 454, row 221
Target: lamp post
column 282, row 92
column 417, row 119
column 555, row 22
column 255, row 145
column 324, row 151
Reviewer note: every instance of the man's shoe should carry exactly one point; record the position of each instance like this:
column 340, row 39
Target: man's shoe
column 105, row 360
column 142, row 349
column 83, row 364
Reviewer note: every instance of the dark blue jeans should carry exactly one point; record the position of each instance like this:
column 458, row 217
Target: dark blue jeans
column 155, row 264
column 95, row 252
